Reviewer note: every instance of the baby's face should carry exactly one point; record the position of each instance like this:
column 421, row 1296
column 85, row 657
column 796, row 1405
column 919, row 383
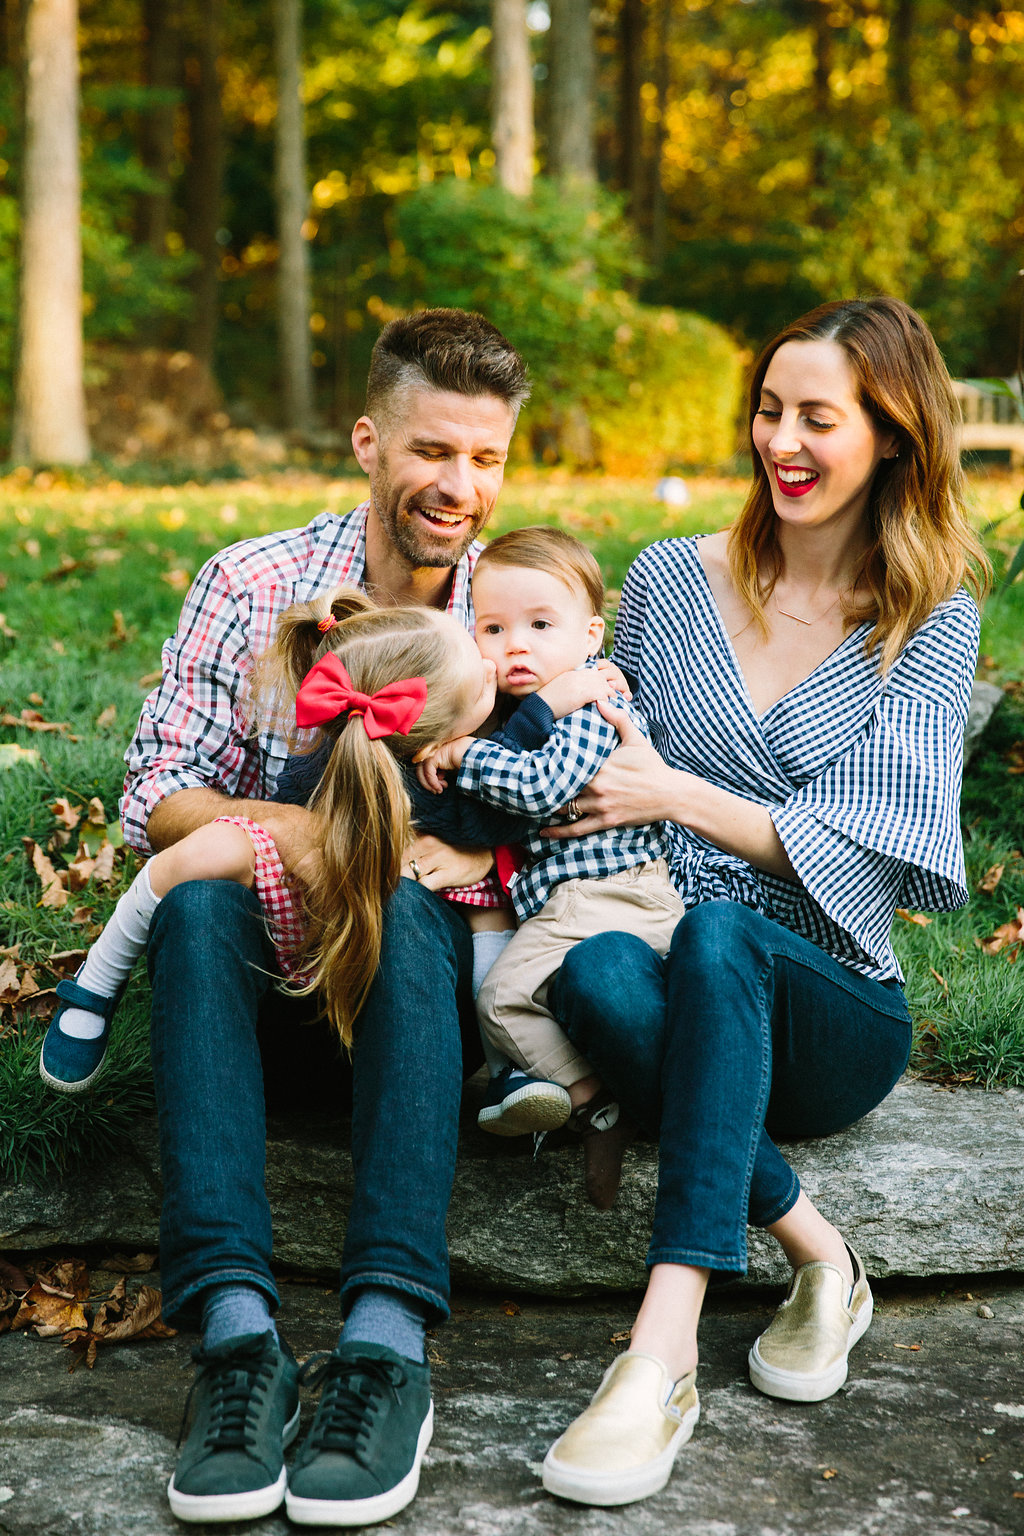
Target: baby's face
column 532, row 625
column 480, row 681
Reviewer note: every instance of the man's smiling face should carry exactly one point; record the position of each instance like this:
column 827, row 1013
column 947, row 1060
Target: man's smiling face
column 435, row 467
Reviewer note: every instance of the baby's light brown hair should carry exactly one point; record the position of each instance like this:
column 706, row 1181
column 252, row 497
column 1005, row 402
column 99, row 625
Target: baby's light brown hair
column 550, row 550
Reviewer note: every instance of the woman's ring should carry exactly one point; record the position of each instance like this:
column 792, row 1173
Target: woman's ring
column 572, row 810
column 417, row 873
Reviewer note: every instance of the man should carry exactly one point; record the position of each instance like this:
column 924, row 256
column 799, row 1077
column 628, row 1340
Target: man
column 443, row 394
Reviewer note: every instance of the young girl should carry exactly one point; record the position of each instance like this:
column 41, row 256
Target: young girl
column 381, row 685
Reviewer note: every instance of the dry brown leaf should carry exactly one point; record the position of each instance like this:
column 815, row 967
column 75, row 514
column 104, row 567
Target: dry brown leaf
column 178, row 578
column 48, row 1313
column 29, row 985
column 143, row 1321
column 66, row 961
column 150, row 680
column 943, row 983
column 118, row 628
column 106, row 717
column 81, row 915
column 12, row 1277
column 10, row 986
column 913, row 917
column 1006, row 936
column 36, row 698
column 32, row 720
column 96, row 816
column 1014, row 758
column 53, row 881
column 134, row 1264
column 991, row 878
column 103, row 865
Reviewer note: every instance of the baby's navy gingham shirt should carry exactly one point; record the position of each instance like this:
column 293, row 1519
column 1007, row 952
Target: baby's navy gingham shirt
column 860, row 771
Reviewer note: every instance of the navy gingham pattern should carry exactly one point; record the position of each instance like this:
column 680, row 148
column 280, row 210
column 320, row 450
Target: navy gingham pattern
column 861, row 773
column 193, row 731
column 541, row 784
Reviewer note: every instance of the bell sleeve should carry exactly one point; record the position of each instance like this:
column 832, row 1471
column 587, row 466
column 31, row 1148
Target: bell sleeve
column 880, row 828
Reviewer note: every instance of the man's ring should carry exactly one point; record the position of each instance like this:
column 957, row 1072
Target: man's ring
column 417, row 873
column 572, row 810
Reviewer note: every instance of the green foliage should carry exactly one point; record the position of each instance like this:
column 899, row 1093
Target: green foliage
column 550, row 271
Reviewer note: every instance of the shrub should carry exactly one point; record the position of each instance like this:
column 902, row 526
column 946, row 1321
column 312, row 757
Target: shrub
column 655, row 386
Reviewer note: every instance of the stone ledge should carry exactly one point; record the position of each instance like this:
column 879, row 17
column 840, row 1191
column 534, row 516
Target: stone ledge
column 929, row 1184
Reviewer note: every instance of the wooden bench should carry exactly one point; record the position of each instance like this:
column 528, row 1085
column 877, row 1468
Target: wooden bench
column 991, row 421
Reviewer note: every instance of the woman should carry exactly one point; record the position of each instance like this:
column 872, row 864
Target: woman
column 808, row 675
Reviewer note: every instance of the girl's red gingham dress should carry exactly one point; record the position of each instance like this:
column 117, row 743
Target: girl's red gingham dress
column 282, row 908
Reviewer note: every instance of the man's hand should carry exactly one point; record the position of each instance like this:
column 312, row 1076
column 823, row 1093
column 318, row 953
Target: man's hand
column 440, row 866
column 571, row 690
column 431, row 765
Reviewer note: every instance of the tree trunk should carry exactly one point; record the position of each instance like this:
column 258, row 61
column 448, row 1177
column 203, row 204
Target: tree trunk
column 631, row 45
column 901, row 40
column 823, row 35
column 49, row 422
column 659, row 210
column 571, row 77
column 293, row 306
column 512, row 97
column 162, row 55
column 205, row 175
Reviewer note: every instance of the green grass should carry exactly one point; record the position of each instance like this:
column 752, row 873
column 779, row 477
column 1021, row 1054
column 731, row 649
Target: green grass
column 91, row 582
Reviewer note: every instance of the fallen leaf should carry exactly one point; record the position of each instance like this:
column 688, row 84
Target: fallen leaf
column 991, row 878
column 49, row 1312
column 621, row 1338
column 36, row 698
column 829, row 1473
column 943, row 983
column 1006, row 936
column 53, row 881
column 96, row 816
column 5, row 629
column 66, row 813
column 106, row 717
column 13, row 756
column 10, row 986
column 913, row 917
column 11, row 1276
column 511, row 1308
column 136, row 1264
column 150, row 679
column 66, row 961
column 907, row 1346
column 32, row 720
column 1014, row 758
column 178, row 579
column 118, row 628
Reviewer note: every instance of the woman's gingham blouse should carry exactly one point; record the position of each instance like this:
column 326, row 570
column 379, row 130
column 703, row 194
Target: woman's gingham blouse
column 193, row 730
column 861, row 773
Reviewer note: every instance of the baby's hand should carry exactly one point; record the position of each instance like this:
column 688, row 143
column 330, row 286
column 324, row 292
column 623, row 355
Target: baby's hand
column 617, row 678
column 432, row 764
column 571, row 690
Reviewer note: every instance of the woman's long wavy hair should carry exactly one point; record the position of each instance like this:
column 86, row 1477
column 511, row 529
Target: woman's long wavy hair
column 361, row 802
column 922, row 547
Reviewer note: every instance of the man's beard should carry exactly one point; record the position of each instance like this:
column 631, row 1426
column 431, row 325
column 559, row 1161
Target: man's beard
column 413, row 542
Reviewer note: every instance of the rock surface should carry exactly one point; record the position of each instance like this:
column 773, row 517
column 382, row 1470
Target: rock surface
column 924, row 1440
column 985, row 698
column 929, row 1184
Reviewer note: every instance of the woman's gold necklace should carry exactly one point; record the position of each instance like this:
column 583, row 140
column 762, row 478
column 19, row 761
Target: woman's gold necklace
column 797, row 617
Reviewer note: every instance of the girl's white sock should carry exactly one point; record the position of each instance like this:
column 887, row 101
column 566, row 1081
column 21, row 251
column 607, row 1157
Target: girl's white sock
column 487, row 946
column 111, row 958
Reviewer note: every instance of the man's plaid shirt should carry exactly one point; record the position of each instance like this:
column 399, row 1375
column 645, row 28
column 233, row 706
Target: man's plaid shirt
column 193, row 731
column 541, row 784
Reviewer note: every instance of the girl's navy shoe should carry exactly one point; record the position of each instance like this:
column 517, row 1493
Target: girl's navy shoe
column 67, row 1064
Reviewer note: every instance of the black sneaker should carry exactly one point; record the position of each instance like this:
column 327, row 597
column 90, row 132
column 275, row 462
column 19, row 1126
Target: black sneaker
column 361, row 1460
column 516, row 1104
column 246, row 1412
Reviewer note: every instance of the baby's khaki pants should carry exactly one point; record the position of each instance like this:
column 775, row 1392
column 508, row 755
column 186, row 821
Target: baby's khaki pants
column 512, row 1000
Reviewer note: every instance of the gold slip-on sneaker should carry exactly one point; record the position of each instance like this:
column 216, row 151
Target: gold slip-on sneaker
column 622, row 1447
column 802, row 1354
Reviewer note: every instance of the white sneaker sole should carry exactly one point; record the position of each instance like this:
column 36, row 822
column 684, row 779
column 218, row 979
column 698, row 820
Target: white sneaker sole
column 381, row 1506
column 79, row 1086
column 195, row 1508
column 584, row 1486
column 798, row 1386
column 543, row 1107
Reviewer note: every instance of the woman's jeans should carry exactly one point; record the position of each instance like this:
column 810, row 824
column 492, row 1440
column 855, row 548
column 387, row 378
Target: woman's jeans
column 211, row 967
column 744, row 1029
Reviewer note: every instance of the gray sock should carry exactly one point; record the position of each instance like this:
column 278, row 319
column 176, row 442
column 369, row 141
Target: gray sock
column 231, row 1311
column 487, row 946
column 382, row 1316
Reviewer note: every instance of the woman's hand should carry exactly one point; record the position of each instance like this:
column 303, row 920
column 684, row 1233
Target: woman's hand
column 634, row 786
column 571, row 690
column 438, row 865
column 432, row 764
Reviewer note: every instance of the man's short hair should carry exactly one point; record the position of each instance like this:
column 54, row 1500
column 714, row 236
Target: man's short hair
column 446, row 349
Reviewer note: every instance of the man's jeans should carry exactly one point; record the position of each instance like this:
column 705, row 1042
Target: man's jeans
column 743, row 1025
column 209, row 960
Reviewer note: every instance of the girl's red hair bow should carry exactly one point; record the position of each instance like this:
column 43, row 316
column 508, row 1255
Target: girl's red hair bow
column 327, row 692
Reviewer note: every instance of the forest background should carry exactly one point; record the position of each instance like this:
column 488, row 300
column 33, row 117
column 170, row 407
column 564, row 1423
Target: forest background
column 736, row 160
